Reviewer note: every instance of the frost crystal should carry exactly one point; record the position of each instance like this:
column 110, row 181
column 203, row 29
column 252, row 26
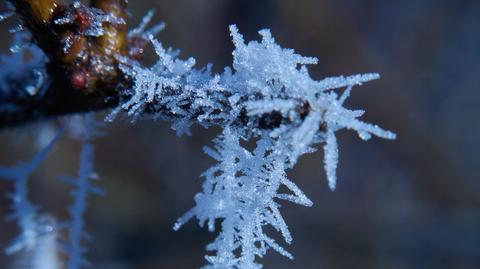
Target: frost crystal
column 85, row 129
column 24, row 212
column 269, row 97
column 141, row 29
column 151, row 83
column 241, row 191
column 88, row 20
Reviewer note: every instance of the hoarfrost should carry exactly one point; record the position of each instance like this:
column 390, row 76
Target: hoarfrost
column 268, row 96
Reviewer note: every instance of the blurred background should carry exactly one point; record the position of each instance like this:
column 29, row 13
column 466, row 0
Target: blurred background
column 409, row 203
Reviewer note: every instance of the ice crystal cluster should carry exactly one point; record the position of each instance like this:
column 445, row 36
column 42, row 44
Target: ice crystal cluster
column 96, row 19
column 268, row 97
column 243, row 191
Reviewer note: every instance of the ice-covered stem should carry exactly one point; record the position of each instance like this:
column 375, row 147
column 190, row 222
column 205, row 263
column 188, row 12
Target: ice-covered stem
column 72, row 54
column 83, row 128
column 24, row 212
column 83, row 187
column 105, row 88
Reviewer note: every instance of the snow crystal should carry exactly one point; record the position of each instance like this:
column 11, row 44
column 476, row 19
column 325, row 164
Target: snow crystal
column 266, row 106
column 265, row 80
column 241, row 192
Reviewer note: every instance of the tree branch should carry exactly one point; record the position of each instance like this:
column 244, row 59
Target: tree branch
column 82, row 69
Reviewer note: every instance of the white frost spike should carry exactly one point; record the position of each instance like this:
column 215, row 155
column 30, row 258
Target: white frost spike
column 266, row 106
column 331, row 158
column 236, row 37
column 141, row 31
column 143, row 24
column 241, row 191
column 298, row 197
column 212, row 153
column 345, row 95
column 304, row 135
column 341, row 81
column 166, row 59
